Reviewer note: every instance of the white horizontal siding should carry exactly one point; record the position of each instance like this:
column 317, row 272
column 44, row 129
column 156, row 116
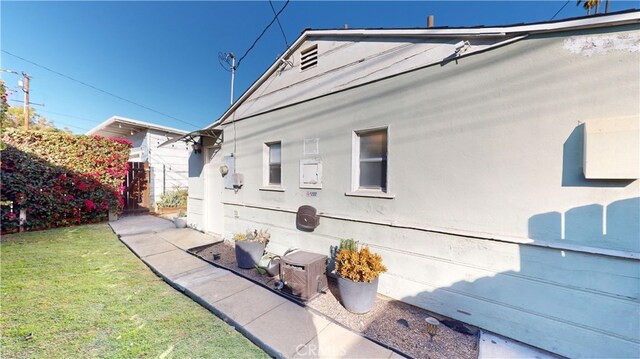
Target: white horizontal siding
column 489, row 144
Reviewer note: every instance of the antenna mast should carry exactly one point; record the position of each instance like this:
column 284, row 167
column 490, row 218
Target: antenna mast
column 233, row 72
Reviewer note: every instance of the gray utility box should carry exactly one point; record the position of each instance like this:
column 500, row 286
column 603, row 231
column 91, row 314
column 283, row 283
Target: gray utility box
column 304, row 274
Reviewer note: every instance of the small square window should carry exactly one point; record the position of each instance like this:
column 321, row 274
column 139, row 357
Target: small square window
column 273, row 164
column 370, row 160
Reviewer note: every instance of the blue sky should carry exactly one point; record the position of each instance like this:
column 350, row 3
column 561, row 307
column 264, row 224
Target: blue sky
column 164, row 55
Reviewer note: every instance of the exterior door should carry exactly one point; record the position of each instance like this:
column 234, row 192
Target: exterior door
column 213, row 187
column 136, row 192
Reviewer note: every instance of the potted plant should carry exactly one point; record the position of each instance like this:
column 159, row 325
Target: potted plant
column 358, row 272
column 250, row 247
column 181, row 220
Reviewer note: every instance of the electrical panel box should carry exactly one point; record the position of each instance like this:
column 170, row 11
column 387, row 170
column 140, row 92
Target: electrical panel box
column 238, row 180
column 230, row 162
column 310, row 173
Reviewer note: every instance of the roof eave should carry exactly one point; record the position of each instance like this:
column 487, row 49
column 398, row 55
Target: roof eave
column 133, row 122
column 622, row 18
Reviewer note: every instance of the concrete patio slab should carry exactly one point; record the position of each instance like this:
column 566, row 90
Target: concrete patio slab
column 493, row 346
column 149, row 248
column 141, row 238
column 126, row 226
column 186, row 238
column 220, row 288
column 335, row 341
column 249, row 304
column 174, row 263
column 200, row 276
column 281, row 327
column 287, row 328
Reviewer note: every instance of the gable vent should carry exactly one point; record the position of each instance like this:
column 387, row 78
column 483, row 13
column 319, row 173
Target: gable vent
column 309, row 57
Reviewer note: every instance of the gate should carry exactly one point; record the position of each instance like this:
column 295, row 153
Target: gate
column 136, row 192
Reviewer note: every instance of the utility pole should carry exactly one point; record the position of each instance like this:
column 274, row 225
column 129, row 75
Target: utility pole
column 25, row 89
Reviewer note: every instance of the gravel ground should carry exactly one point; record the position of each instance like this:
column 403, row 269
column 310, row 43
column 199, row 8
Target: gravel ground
column 394, row 323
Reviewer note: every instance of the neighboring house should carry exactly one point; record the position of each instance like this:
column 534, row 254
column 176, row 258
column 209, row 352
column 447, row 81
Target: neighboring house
column 164, row 169
column 495, row 169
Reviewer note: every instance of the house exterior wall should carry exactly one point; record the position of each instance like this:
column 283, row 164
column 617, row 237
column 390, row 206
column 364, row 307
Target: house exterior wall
column 139, row 147
column 491, row 220
column 195, row 200
column 168, row 165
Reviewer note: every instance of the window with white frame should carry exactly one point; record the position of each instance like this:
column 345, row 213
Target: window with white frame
column 370, row 160
column 273, row 164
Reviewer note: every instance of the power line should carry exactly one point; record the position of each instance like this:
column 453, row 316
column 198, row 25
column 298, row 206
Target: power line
column 98, row 89
column 68, row 115
column 68, row 125
column 556, row 14
column 261, row 34
column 286, row 43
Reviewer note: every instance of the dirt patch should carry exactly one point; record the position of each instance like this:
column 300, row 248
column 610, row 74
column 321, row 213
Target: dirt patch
column 391, row 322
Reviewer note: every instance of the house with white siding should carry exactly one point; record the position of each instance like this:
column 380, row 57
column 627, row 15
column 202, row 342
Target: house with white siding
column 164, row 169
column 495, row 169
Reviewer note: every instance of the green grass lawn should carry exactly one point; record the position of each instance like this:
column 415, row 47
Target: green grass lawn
column 80, row 293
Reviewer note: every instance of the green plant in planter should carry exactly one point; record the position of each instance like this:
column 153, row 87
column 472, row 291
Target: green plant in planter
column 250, row 247
column 181, row 220
column 358, row 272
column 259, row 236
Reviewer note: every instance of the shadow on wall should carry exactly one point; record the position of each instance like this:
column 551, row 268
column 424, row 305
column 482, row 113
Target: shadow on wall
column 571, row 303
column 615, row 226
column 196, row 164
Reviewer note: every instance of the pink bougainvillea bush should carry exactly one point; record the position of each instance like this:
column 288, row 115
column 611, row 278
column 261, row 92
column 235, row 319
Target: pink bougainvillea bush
column 60, row 179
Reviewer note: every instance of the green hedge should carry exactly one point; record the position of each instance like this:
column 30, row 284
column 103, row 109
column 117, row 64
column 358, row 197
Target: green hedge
column 59, row 178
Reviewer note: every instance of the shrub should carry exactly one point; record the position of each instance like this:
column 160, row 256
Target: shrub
column 261, row 236
column 60, row 178
column 359, row 266
column 176, row 198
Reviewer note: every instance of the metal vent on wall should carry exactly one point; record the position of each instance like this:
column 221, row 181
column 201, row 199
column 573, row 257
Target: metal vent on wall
column 309, row 57
column 307, row 218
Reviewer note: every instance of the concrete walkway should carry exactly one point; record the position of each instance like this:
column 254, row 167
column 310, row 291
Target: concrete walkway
column 280, row 327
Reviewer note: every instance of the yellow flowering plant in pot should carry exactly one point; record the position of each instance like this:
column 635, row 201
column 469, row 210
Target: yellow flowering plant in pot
column 358, row 272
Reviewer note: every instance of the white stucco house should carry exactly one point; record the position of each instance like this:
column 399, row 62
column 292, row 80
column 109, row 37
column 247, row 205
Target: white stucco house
column 495, row 169
column 165, row 169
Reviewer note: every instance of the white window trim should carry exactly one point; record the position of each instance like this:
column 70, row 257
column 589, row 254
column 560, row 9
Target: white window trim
column 356, row 191
column 265, row 168
column 272, row 189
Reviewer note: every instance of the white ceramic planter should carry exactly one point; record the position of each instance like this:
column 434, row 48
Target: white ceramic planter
column 180, row 222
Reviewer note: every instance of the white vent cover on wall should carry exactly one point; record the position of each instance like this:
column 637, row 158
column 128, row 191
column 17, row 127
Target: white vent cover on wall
column 309, row 57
